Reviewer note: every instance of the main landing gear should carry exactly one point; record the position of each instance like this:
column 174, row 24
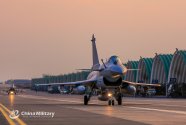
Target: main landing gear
column 119, row 99
column 86, row 99
column 88, row 94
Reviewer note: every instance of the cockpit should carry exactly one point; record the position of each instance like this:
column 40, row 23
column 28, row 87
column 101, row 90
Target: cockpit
column 115, row 60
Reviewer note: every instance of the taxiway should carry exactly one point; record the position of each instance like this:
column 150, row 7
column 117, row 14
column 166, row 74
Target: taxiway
column 69, row 110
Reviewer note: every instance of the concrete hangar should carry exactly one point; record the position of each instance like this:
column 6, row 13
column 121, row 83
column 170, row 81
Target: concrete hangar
column 167, row 69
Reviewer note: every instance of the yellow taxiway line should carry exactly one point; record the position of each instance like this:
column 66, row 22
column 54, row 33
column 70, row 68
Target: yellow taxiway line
column 7, row 117
column 10, row 121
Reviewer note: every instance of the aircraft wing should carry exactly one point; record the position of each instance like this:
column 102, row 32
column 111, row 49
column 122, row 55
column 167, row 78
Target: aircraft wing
column 140, row 84
column 84, row 82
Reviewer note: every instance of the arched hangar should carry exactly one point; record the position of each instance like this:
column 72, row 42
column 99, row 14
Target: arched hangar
column 144, row 72
column 131, row 74
column 160, row 68
column 177, row 73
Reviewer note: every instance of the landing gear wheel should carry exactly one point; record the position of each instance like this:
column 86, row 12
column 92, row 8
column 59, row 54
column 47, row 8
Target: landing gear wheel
column 112, row 102
column 119, row 99
column 85, row 100
column 109, row 102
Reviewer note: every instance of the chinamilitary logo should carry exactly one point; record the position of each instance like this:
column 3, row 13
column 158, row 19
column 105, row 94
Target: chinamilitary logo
column 14, row 114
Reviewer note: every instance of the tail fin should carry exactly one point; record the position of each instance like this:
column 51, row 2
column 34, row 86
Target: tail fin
column 13, row 86
column 94, row 53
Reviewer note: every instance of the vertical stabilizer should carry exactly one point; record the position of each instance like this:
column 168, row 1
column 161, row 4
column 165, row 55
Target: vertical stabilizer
column 94, row 52
column 13, row 86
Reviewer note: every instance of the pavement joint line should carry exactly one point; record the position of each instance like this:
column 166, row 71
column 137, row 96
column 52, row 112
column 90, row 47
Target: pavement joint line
column 17, row 119
column 60, row 100
column 50, row 99
column 157, row 104
column 10, row 121
column 160, row 110
column 153, row 99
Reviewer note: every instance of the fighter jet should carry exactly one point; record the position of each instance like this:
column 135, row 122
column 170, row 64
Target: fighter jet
column 12, row 90
column 105, row 78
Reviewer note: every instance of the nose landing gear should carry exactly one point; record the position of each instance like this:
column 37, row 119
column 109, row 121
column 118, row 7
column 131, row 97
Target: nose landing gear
column 118, row 99
column 111, row 102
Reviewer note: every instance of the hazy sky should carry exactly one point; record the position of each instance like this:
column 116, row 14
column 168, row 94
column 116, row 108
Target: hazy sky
column 53, row 36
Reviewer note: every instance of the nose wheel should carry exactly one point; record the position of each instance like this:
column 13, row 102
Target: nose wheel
column 111, row 102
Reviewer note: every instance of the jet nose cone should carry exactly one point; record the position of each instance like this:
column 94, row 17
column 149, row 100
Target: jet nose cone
column 116, row 70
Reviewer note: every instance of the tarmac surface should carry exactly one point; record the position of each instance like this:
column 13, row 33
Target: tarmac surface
column 37, row 108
